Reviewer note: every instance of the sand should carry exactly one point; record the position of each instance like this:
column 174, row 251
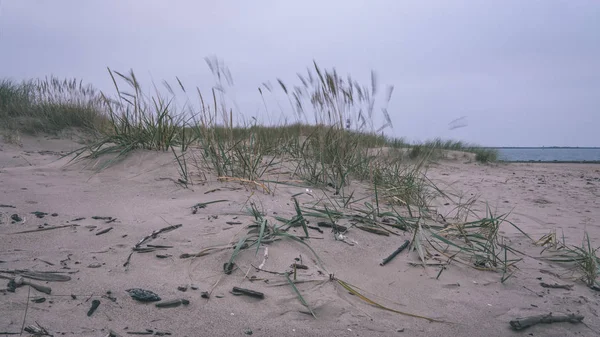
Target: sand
column 540, row 197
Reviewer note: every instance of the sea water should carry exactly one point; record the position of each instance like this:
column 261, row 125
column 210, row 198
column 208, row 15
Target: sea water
column 550, row 154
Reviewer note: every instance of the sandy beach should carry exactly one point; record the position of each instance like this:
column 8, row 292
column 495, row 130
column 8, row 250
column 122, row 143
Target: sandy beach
column 139, row 195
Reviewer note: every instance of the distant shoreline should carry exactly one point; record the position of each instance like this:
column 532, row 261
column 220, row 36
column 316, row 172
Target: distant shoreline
column 550, row 162
column 544, row 147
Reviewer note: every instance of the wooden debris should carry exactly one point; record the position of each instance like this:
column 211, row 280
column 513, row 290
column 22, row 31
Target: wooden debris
column 525, row 322
column 42, row 229
column 427, row 263
column 38, row 300
column 46, row 262
column 6, row 206
column 37, row 330
column 557, row 286
column 147, row 332
column 107, row 218
column 104, row 231
column 159, row 246
column 172, row 303
column 95, row 304
column 144, row 249
column 336, row 228
column 374, row 230
column 150, row 248
column 200, row 205
column 252, row 293
column 298, row 266
column 40, row 276
column 155, row 234
column 48, row 277
column 128, row 259
column 19, row 280
column 396, row 252
column 316, row 228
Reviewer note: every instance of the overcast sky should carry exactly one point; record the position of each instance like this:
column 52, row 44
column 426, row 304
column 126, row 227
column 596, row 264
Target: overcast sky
column 523, row 72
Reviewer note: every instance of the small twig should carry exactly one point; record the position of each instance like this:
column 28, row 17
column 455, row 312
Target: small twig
column 155, row 234
column 106, row 230
column 26, row 308
column 46, row 262
column 128, row 259
column 159, row 246
column 42, row 229
column 525, row 322
column 248, row 292
column 374, row 230
column 557, row 286
column 396, row 252
column 267, row 271
column 316, row 228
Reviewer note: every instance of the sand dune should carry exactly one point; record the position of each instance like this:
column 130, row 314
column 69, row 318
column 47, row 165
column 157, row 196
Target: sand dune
column 143, row 197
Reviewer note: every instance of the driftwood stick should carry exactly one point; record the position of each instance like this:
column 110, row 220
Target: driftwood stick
column 525, row 322
column 42, row 229
column 154, row 234
column 396, row 252
column 19, row 280
column 128, row 259
column 248, row 292
column 39, row 275
column 338, row 228
column 104, row 231
column 557, row 286
column 374, row 230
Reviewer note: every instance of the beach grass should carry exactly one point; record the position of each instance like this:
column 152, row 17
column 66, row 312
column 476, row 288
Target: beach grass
column 50, row 105
column 373, row 182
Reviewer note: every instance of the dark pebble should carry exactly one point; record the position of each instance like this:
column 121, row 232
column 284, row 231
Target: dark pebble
column 143, row 295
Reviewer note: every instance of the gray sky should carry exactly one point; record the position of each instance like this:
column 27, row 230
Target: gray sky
column 523, row 72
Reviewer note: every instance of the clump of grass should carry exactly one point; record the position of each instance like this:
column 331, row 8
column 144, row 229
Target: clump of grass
column 477, row 244
column 137, row 122
column 584, row 259
column 435, row 147
column 50, row 105
column 485, row 155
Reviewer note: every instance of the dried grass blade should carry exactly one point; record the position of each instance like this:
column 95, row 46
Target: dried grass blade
column 359, row 295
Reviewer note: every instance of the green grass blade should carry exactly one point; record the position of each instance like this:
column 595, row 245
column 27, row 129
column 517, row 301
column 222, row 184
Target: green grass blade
column 287, row 276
